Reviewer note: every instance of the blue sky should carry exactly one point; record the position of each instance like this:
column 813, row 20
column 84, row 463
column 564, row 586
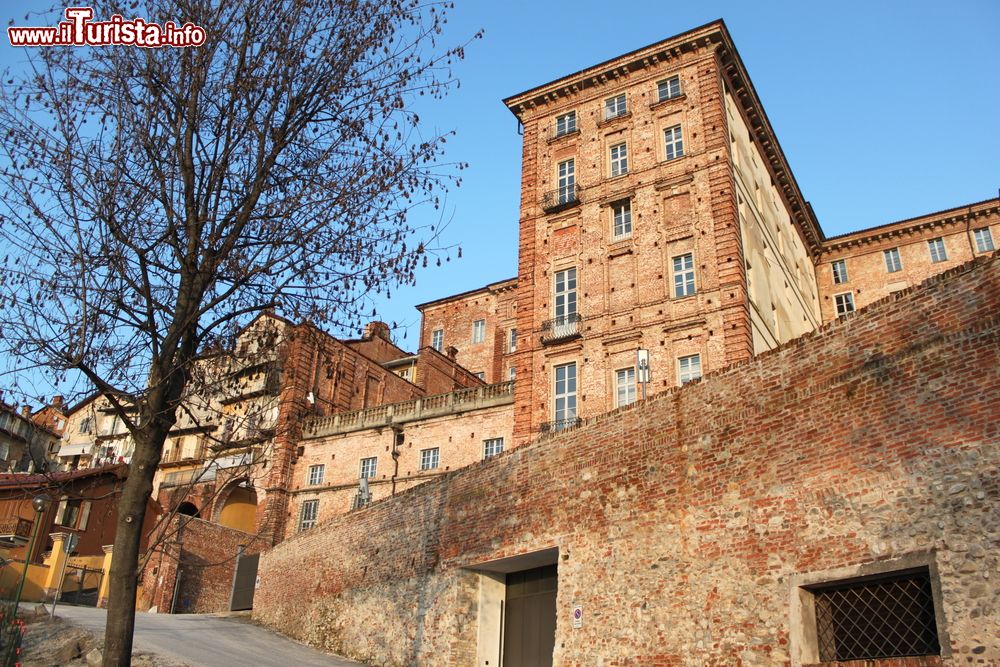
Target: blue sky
column 885, row 110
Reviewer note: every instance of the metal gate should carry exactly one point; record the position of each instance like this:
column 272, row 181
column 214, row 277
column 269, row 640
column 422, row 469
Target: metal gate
column 81, row 585
column 244, row 582
column 529, row 625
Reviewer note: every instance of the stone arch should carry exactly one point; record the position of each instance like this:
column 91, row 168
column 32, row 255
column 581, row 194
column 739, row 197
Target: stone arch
column 237, row 506
column 188, row 508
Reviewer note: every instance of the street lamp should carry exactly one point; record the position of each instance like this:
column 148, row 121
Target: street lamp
column 40, row 503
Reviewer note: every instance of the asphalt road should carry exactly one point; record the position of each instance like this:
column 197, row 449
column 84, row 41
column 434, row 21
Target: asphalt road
column 209, row 641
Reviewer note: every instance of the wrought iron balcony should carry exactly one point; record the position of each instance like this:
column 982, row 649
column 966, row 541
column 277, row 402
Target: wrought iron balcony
column 561, row 328
column 560, row 198
column 559, row 425
column 559, row 132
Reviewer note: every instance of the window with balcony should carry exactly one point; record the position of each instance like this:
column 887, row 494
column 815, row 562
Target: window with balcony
column 430, row 458
column 437, row 339
column 615, row 107
column 893, row 263
column 621, row 219
column 936, row 248
column 684, row 275
column 316, row 474
column 984, row 240
column 369, row 467
column 689, row 368
column 619, row 160
column 564, row 393
column 625, row 386
column 565, row 124
column 673, row 143
column 307, row 514
column 564, row 323
column 668, row 89
column 839, row 271
column 566, row 181
column 479, row 331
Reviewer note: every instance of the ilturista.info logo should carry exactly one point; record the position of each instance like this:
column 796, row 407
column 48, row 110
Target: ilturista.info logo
column 80, row 29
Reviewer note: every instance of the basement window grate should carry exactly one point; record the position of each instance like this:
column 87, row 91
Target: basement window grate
column 880, row 618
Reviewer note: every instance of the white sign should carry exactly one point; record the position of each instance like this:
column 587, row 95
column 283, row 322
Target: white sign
column 642, row 364
column 578, row 616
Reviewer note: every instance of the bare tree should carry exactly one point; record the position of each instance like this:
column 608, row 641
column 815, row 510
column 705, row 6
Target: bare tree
column 153, row 200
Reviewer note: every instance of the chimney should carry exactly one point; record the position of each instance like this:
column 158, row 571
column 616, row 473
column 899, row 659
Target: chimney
column 57, row 402
column 26, row 411
column 377, row 329
column 451, row 351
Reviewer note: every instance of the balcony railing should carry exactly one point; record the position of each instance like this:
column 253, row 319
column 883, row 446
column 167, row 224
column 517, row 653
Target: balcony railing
column 560, row 198
column 559, row 132
column 15, row 527
column 183, row 477
column 559, row 425
column 561, row 328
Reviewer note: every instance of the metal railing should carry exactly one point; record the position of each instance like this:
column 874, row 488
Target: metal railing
column 15, row 526
column 559, row 425
column 182, row 477
column 556, row 132
column 560, row 198
column 560, row 328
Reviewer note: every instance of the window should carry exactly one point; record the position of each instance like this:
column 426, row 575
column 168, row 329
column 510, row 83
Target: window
column 512, row 340
column 87, row 425
column 479, row 331
column 839, row 271
column 429, row 458
column 689, row 368
column 619, row 160
column 684, row 275
column 565, row 301
column 369, row 467
column 565, row 396
column 566, row 123
column 668, row 88
column 625, row 383
column 307, row 514
column 481, row 375
column 984, row 241
column 892, row 261
column 492, row 447
column 845, row 303
column 615, row 106
column 437, row 339
column 407, row 373
column 512, row 373
column 888, row 616
column 938, row 253
column 316, row 474
column 621, row 214
column 673, row 143
column 566, row 181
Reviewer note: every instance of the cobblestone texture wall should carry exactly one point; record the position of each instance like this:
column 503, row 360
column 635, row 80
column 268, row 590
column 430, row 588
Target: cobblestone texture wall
column 684, row 522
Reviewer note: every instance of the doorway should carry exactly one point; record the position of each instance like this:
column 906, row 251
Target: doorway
column 529, row 623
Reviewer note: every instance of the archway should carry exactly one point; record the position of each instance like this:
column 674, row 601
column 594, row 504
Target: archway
column 188, row 509
column 239, row 510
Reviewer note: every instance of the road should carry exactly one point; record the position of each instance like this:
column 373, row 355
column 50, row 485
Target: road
column 209, row 641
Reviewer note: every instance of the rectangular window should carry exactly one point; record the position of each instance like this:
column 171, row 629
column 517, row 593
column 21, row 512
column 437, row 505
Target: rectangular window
column 619, row 160
column 369, row 467
column 566, row 173
column 492, row 447
column 936, row 247
column 839, row 271
column 479, row 331
column 565, row 296
column 888, row 616
column 668, row 88
column 673, row 143
column 684, row 275
column 689, row 368
column 429, row 458
column 316, row 474
column 481, row 375
column 984, row 240
column 566, row 123
column 437, row 339
column 845, row 303
column 615, row 106
column 621, row 213
column 307, row 514
column 512, row 373
column 87, row 425
column 625, row 385
column 512, row 341
column 892, row 261
column 565, row 396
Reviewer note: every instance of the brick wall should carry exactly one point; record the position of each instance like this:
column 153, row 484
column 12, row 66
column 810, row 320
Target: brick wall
column 681, row 522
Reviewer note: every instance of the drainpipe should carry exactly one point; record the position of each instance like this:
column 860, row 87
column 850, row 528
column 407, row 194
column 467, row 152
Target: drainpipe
column 397, row 440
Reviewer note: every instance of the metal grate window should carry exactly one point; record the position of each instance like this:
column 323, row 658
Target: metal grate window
column 884, row 618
